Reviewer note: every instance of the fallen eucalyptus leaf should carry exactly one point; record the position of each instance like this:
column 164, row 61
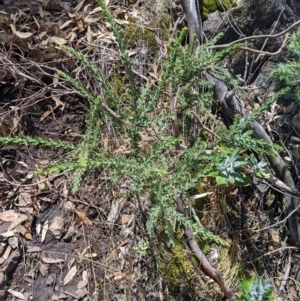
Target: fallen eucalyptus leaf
column 70, row 275
column 8, row 216
column 52, row 260
column 16, row 294
column 22, row 35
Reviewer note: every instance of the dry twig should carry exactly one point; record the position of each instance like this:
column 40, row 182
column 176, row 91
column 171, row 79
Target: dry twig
column 206, row 266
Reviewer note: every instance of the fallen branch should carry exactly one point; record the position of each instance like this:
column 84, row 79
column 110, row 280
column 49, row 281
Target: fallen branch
column 204, row 127
column 205, row 265
column 276, row 162
column 267, row 53
column 263, row 36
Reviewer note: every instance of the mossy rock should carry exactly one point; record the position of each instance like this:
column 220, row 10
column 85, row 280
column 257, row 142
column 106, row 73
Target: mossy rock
column 176, row 267
column 209, row 6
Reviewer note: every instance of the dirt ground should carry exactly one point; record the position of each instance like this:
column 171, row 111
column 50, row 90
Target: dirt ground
column 64, row 249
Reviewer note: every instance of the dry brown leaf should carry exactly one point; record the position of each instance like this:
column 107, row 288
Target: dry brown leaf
column 154, row 68
column 70, row 232
column 278, row 183
column 106, row 40
column 44, row 230
column 57, row 100
column 41, row 184
column 52, row 260
column 36, row 22
column 43, row 269
column 22, row 35
column 79, row 6
column 91, row 255
column 89, row 34
column 38, row 228
column 126, row 219
column 120, row 276
column 85, row 275
column 24, row 199
column 8, row 216
column 275, row 236
column 45, row 115
column 8, row 234
column 57, row 40
column 13, row 242
column 82, row 283
column 154, row 75
column 6, row 253
column 67, row 23
column 71, row 262
column 91, row 20
column 83, row 218
column 33, row 249
column 16, row 294
column 95, row 11
column 24, row 232
column 116, row 206
column 80, row 293
column 18, row 221
column 57, row 226
column 84, row 251
column 69, row 206
column 65, row 190
column 121, row 22
column 54, row 5
column 70, row 275
column 132, row 53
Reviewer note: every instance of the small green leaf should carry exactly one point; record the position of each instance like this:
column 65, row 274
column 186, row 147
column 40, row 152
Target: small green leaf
column 242, row 180
column 222, row 181
column 257, row 289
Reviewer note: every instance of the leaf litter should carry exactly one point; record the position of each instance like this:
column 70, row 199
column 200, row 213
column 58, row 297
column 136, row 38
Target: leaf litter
column 63, row 236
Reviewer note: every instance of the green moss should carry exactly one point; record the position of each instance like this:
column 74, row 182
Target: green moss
column 209, row 6
column 116, row 83
column 136, row 34
column 176, row 267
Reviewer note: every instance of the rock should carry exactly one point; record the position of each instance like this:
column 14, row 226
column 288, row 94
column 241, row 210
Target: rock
column 13, row 242
column 12, row 261
column 211, row 24
column 2, row 281
column 57, row 226
column 296, row 123
column 3, row 294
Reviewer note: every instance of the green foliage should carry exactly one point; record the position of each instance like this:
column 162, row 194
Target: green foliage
column 288, row 72
column 142, row 247
column 158, row 171
column 228, row 171
column 257, row 289
column 234, row 169
column 209, row 6
column 28, row 141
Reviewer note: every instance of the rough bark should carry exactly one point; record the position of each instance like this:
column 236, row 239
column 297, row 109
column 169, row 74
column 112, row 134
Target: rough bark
column 192, row 11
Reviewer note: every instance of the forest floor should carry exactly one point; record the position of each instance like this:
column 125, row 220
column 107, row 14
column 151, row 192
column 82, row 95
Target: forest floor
column 56, row 245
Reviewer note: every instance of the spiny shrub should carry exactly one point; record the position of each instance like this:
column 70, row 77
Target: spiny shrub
column 165, row 169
